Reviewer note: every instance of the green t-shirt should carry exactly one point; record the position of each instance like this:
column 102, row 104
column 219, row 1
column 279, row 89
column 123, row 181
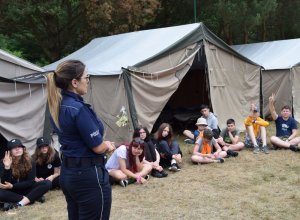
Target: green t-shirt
column 224, row 134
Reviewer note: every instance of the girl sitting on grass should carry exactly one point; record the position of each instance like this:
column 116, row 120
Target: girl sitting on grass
column 169, row 150
column 203, row 150
column 17, row 187
column 126, row 164
column 151, row 154
column 47, row 162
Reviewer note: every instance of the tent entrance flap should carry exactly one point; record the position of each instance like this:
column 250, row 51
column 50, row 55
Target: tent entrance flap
column 183, row 108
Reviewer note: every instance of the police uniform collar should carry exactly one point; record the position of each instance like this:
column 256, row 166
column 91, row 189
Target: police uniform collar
column 72, row 94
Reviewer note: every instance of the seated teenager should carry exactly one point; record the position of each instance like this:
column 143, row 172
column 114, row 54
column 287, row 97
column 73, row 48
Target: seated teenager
column 192, row 135
column 211, row 120
column 126, row 164
column 47, row 162
column 169, row 150
column 229, row 139
column 17, row 187
column 152, row 156
column 203, row 150
column 286, row 128
column 256, row 134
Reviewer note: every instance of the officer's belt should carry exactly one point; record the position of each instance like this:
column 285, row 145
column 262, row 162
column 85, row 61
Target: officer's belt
column 82, row 162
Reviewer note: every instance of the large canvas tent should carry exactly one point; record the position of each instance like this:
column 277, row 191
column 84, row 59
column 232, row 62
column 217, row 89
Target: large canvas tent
column 280, row 74
column 146, row 71
column 12, row 66
column 22, row 101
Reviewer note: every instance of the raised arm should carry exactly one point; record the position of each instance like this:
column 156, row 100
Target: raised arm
column 272, row 108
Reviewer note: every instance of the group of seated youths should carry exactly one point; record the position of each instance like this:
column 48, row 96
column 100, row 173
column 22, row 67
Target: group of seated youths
column 147, row 155
column 256, row 135
column 25, row 179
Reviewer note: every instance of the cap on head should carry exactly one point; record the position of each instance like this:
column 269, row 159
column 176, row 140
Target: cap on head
column 256, row 109
column 14, row 143
column 42, row 141
column 201, row 121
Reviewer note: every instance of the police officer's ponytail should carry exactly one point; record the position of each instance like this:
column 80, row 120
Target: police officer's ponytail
column 61, row 79
column 54, row 98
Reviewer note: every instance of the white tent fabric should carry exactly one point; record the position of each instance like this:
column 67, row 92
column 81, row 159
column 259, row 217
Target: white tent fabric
column 282, row 54
column 279, row 60
column 127, row 49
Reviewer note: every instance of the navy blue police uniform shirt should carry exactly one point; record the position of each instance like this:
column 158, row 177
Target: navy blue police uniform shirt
column 80, row 129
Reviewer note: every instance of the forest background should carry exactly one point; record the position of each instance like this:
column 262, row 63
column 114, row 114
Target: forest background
column 45, row 31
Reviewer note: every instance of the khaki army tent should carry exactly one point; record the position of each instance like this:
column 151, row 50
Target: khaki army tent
column 22, row 101
column 178, row 67
column 280, row 74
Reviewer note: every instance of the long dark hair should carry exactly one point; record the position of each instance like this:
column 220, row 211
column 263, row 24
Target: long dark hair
column 41, row 158
column 158, row 134
column 136, row 142
column 21, row 166
column 136, row 132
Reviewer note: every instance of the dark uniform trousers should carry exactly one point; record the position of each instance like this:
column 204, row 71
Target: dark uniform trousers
column 87, row 190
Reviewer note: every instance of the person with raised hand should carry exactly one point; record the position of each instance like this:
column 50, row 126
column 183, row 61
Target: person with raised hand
column 286, row 128
column 18, row 187
column 256, row 134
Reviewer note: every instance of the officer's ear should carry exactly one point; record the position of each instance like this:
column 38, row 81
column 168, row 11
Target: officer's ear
column 75, row 83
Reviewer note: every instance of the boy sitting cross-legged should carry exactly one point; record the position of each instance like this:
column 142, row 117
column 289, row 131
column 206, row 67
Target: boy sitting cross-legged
column 229, row 139
column 203, row 150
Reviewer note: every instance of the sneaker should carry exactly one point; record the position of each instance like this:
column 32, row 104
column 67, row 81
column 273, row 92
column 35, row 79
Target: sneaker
column 123, row 183
column 156, row 173
column 163, row 173
column 265, row 149
column 256, row 149
column 173, row 167
column 220, row 160
column 178, row 167
column 232, row 153
column 189, row 141
column 294, row 148
column 7, row 206
column 41, row 199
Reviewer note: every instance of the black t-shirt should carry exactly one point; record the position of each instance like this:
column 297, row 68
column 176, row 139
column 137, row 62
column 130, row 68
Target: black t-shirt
column 47, row 169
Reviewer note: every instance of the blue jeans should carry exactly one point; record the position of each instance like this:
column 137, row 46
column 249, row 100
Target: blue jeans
column 87, row 192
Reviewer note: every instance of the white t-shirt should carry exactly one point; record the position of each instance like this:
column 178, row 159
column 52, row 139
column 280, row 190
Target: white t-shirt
column 113, row 161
